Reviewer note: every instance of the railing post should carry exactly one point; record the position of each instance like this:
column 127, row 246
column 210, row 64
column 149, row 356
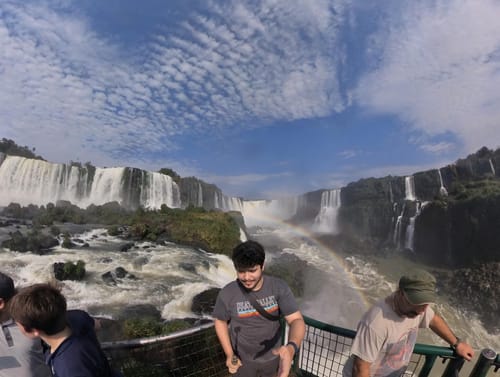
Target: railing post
column 426, row 368
column 453, row 367
column 484, row 363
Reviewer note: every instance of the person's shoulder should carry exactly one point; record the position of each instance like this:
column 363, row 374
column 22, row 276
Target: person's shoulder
column 79, row 320
column 276, row 281
column 231, row 285
column 78, row 315
column 375, row 312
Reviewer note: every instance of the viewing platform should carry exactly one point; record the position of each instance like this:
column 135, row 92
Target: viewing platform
column 196, row 353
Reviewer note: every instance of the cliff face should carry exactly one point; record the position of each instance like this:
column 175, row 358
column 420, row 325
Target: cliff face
column 451, row 215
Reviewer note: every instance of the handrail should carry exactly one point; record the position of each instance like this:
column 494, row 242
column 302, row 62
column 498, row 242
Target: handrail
column 339, row 348
column 196, row 352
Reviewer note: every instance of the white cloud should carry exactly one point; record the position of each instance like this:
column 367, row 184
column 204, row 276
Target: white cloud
column 440, row 70
column 349, row 153
column 437, row 147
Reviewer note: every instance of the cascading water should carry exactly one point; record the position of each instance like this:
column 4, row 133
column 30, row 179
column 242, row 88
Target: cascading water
column 492, row 167
column 410, row 229
column 29, row 181
column 397, row 227
column 269, row 212
column 326, row 220
column 442, row 189
column 158, row 189
column 227, row 203
column 410, row 188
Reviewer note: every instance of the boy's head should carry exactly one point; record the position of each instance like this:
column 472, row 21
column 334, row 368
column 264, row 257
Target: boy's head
column 39, row 307
column 248, row 254
column 7, row 289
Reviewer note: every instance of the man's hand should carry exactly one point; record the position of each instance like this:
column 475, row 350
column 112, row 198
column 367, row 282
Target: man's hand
column 286, row 354
column 233, row 363
column 465, row 350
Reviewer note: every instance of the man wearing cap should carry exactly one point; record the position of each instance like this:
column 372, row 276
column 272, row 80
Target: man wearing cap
column 19, row 355
column 387, row 332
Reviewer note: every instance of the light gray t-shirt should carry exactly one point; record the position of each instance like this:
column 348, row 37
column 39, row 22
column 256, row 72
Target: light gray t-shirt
column 253, row 336
column 386, row 340
column 20, row 356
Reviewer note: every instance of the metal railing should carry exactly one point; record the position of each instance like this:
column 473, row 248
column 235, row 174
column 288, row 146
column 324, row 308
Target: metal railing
column 197, row 353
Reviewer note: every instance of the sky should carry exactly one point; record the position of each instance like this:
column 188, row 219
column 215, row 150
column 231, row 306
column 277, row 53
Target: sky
column 262, row 98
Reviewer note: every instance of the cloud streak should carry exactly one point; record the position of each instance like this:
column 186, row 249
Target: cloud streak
column 440, row 70
column 238, row 64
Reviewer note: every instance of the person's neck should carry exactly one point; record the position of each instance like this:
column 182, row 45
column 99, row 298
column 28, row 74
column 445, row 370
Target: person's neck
column 4, row 316
column 395, row 302
column 54, row 341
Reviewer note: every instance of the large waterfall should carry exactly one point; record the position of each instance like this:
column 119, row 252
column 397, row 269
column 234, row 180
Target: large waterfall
column 410, row 188
column 270, row 212
column 29, row 181
column 326, row 220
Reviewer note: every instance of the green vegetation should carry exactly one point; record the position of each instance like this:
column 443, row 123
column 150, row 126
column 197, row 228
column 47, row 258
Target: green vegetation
column 171, row 173
column 70, row 270
column 10, row 147
column 212, row 231
column 473, row 190
column 141, row 328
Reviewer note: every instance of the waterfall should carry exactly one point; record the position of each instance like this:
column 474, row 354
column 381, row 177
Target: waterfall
column 200, row 195
column 227, row 203
column 270, row 212
column 442, row 189
column 29, row 181
column 326, row 220
column 410, row 229
column 158, row 189
column 410, row 188
column 492, row 167
column 397, row 227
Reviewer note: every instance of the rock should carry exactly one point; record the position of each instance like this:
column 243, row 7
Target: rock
column 139, row 311
column 189, row 267
column 126, row 247
column 108, row 278
column 204, row 302
column 69, row 270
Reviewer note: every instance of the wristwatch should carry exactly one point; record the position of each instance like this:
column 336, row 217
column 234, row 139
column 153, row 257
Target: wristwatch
column 294, row 346
column 454, row 346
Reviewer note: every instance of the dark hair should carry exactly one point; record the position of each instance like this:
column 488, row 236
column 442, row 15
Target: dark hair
column 7, row 289
column 41, row 307
column 248, row 254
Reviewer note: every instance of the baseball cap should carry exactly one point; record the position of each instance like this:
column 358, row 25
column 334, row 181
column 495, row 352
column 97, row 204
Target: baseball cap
column 419, row 286
column 7, row 289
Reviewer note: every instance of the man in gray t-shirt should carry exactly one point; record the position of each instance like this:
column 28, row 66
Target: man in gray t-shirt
column 19, row 355
column 251, row 342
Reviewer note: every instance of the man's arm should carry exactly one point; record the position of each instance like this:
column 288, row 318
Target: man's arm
column 297, row 328
column 441, row 328
column 222, row 331
column 360, row 367
column 296, row 335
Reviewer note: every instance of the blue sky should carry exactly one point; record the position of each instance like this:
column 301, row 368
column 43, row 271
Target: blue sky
column 262, row 98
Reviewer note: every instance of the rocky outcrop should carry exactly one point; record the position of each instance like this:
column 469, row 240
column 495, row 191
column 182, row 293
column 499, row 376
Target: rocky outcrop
column 204, row 302
column 34, row 241
column 69, row 270
column 449, row 216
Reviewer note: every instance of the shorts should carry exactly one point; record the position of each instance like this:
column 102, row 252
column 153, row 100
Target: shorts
column 255, row 369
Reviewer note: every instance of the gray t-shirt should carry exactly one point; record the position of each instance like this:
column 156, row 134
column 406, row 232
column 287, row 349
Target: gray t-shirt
column 253, row 336
column 386, row 340
column 20, row 356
